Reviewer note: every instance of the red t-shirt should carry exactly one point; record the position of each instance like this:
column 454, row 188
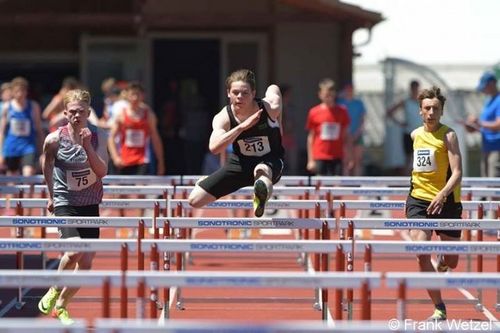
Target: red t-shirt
column 328, row 126
column 134, row 136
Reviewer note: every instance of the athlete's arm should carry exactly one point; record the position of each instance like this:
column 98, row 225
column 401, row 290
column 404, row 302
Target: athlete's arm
column 311, row 163
column 50, row 147
column 455, row 160
column 98, row 164
column 156, row 141
column 55, row 106
column 493, row 125
column 390, row 112
column 272, row 101
column 222, row 136
column 113, row 132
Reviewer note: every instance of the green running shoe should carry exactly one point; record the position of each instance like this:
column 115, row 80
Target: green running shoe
column 48, row 301
column 63, row 315
column 259, row 197
column 437, row 315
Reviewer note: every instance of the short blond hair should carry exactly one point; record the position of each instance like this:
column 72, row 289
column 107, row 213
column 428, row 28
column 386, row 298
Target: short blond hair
column 77, row 95
column 19, row 82
column 5, row 86
column 326, row 84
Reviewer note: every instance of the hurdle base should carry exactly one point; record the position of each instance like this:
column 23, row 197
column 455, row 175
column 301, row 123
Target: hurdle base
column 19, row 305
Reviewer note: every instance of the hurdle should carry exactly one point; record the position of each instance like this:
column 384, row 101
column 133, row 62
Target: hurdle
column 36, row 325
column 427, row 224
column 140, row 279
column 305, row 205
column 210, row 326
column 72, row 245
column 404, row 280
column 154, row 204
column 81, row 222
column 275, row 246
column 315, row 181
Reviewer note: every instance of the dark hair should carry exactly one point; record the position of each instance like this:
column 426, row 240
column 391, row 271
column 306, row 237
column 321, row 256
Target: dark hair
column 433, row 92
column 414, row 84
column 244, row 75
column 70, row 83
column 135, row 85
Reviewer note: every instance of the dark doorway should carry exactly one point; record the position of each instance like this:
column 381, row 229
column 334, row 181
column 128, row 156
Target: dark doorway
column 186, row 96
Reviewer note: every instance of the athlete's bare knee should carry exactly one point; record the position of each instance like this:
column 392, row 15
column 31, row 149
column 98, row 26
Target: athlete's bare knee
column 195, row 200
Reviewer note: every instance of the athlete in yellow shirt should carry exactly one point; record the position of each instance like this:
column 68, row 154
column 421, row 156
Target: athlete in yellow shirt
column 435, row 184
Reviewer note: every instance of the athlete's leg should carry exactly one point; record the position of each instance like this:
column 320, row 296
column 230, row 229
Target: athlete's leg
column 265, row 173
column 424, row 261
column 450, row 260
column 84, row 262
column 199, row 197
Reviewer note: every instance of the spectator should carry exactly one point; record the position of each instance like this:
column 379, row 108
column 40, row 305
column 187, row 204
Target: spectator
column 411, row 120
column 136, row 125
column 357, row 113
column 328, row 139
column 21, row 134
column 488, row 124
column 6, row 93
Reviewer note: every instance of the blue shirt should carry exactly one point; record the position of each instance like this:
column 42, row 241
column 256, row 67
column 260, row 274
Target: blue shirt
column 356, row 110
column 20, row 136
column 491, row 111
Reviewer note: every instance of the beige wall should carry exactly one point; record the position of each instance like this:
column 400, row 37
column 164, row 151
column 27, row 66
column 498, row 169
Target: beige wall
column 305, row 53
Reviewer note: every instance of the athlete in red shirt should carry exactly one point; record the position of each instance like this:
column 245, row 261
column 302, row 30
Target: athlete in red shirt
column 328, row 126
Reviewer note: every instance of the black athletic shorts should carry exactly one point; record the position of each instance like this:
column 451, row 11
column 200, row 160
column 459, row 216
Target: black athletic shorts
column 329, row 167
column 235, row 175
column 91, row 210
column 417, row 209
column 134, row 170
column 18, row 162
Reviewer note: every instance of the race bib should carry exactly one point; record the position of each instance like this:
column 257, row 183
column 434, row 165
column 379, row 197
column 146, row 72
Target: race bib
column 80, row 179
column 330, row 131
column 255, row 146
column 20, row 127
column 424, row 160
column 135, row 138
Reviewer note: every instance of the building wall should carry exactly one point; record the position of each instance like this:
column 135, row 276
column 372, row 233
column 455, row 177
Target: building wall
column 305, row 53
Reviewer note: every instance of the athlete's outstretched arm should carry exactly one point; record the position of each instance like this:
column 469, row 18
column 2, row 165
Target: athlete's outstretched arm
column 222, row 135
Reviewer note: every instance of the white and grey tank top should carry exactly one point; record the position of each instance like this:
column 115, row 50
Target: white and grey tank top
column 75, row 184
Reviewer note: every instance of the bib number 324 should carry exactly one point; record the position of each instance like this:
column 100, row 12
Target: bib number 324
column 424, row 160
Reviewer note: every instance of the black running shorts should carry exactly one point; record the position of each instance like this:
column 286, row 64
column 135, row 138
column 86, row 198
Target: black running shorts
column 91, row 210
column 18, row 162
column 417, row 209
column 235, row 175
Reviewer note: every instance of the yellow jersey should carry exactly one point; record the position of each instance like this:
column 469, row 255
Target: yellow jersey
column 431, row 167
